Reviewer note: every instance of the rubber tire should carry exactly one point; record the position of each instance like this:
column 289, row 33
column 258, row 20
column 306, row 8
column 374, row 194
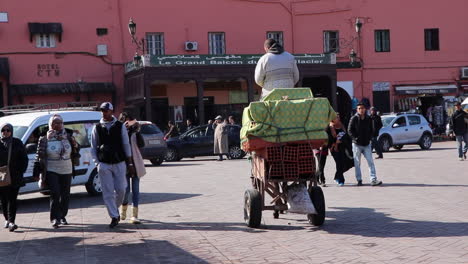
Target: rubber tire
column 172, row 155
column 157, row 161
column 252, row 208
column 239, row 153
column 316, row 195
column 382, row 140
column 398, row 147
column 92, row 183
column 421, row 141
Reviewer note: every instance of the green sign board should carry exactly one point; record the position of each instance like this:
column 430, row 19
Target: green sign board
column 214, row 60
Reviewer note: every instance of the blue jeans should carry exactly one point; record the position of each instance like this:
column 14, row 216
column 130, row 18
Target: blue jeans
column 460, row 140
column 367, row 152
column 135, row 191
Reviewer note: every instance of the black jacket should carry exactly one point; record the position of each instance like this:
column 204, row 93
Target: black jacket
column 457, row 122
column 376, row 124
column 360, row 130
column 18, row 161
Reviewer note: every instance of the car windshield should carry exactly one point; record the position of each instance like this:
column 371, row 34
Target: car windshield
column 386, row 120
column 18, row 131
column 150, row 129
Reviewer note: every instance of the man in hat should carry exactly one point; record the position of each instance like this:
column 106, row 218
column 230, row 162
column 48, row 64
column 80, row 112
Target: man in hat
column 221, row 146
column 110, row 149
column 458, row 122
column 376, row 126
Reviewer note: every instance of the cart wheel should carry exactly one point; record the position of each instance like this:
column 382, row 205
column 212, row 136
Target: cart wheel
column 316, row 195
column 276, row 214
column 252, row 208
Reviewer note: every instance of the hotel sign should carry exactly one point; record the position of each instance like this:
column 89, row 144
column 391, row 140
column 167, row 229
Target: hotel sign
column 215, row 60
column 430, row 89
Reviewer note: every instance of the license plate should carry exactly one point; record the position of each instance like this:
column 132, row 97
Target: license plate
column 155, row 142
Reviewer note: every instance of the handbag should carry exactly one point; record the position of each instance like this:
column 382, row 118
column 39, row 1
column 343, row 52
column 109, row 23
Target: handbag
column 5, row 177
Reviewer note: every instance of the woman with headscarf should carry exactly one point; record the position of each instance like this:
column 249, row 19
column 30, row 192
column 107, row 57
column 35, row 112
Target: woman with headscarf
column 136, row 142
column 57, row 153
column 17, row 162
column 276, row 69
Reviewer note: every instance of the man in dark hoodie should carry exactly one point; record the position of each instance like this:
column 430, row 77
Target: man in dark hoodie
column 276, row 69
column 360, row 130
column 460, row 128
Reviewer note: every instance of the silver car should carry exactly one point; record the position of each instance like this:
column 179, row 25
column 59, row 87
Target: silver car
column 155, row 147
column 402, row 129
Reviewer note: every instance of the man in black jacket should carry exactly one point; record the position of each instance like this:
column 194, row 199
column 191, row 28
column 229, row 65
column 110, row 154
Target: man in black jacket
column 376, row 126
column 360, row 130
column 460, row 128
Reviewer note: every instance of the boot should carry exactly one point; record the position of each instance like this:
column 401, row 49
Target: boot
column 123, row 212
column 134, row 219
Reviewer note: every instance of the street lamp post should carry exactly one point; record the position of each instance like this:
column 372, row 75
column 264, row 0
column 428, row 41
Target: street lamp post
column 140, row 44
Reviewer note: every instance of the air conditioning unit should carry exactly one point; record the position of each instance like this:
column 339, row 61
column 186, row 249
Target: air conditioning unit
column 191, row 45
column 464, row 72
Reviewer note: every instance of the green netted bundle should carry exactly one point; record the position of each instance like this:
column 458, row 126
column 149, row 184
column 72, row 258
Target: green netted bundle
column 280, row 121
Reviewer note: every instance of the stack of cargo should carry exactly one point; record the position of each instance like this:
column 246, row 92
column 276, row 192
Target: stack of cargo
column 282, row 131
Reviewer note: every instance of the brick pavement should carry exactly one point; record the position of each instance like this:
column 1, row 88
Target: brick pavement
column 192, row 212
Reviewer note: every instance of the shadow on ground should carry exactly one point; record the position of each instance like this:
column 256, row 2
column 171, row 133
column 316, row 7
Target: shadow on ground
column 368, row 222
column 73, row 250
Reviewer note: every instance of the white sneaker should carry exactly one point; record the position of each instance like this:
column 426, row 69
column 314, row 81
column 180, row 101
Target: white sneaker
column 460, row 159
column 6, row 224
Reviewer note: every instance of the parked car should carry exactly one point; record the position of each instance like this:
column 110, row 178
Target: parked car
column 30, row 126
column 155, row 147
column 402, row 129
column 199, row 142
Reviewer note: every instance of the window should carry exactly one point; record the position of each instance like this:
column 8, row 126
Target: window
column 382, row 40
column 101, row 31
column 414, row 120
column 82, row 132
column 155, row 43
column 276, row 35
column 431, row 39
column 150, row 129
column 217, row 43
column 400, row 122
column 45, row 40
column 331, row 41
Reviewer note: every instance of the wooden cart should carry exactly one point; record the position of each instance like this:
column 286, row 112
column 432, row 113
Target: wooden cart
column 274, row 168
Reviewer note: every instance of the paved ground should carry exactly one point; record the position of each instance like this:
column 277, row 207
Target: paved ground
column 192, row 212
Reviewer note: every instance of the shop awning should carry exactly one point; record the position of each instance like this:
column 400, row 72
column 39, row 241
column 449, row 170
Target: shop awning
column 45, row 28
column 60, row 88
column 427, row 89
column 4, row 67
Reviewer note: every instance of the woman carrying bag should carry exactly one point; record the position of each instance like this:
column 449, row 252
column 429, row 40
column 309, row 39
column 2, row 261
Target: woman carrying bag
column 136, row 142
column 57, row 154
column 339, row 144
column 13, row 164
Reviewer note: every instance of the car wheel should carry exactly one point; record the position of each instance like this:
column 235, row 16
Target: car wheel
column 235, row 152
column 386, row 143
column 157, row 161
column 93, row 186
column 172, row 155
column 398, row 147
column 426, row 141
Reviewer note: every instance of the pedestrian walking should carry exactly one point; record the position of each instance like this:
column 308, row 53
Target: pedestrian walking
column 276, row 69
column 172, row 131
column 221, row 146
column 136, row 142
column 339, row 144
column 110, row 148
column 376, row 126
column 13, row 164
column 360, row 130
column 231, row 120
column 189, row 124
column 321, row 155
column 459, row 125
column 57, row 153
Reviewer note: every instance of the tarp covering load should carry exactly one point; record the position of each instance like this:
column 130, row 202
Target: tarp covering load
column 285, row 115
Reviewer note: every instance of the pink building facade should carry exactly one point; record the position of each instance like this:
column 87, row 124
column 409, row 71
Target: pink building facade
column 406, row 54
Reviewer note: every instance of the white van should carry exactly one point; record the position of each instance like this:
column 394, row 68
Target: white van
column 30, row 126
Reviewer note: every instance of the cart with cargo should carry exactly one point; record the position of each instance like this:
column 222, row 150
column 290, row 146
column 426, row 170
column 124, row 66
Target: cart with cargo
column 280, row 133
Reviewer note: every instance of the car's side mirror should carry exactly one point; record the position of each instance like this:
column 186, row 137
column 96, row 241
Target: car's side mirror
column 395, row 125
column 31, row 148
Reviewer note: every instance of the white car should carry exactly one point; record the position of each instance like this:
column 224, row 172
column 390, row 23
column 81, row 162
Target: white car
column 30, row 126
column 402, row 129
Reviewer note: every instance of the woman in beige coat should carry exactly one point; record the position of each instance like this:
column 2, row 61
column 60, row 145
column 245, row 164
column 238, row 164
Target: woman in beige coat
column 221, row 145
